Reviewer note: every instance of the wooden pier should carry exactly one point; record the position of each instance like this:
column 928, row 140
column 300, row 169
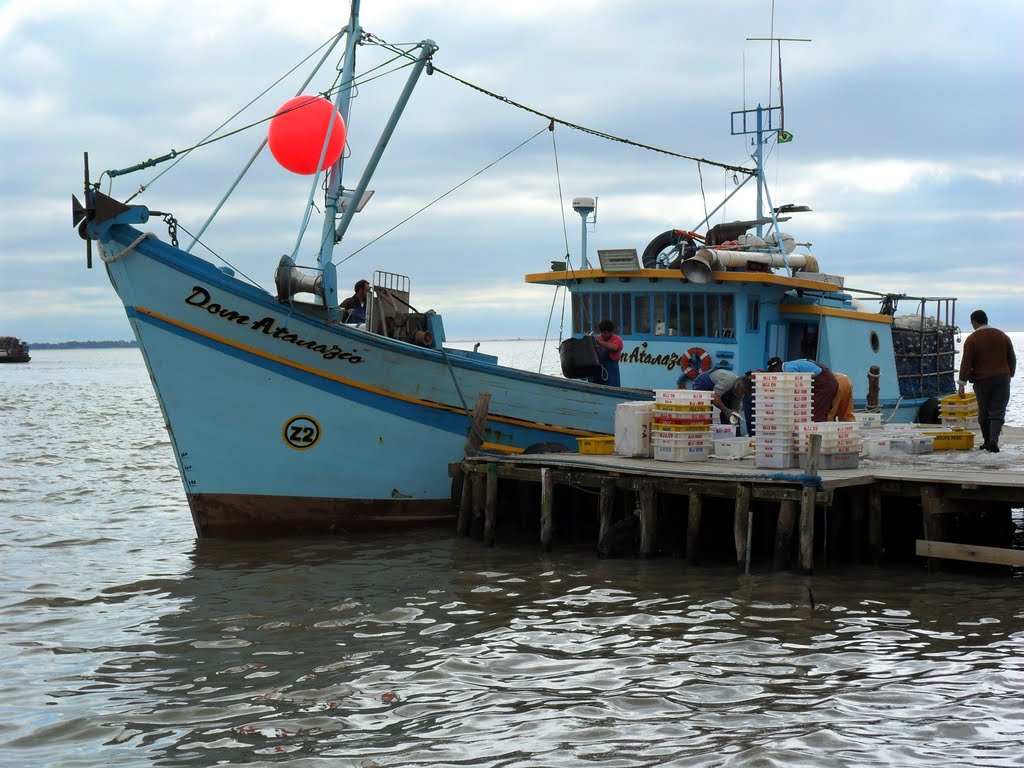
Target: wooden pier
column 951, row 504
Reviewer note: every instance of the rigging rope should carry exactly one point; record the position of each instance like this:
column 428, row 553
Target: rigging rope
column 565, row 239
column 592, row 131
column 442, row 196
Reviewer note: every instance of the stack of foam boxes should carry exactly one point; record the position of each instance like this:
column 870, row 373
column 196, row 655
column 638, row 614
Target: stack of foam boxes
column 782, row 401
column 681, row 425
column 956, row 411
column 840, row 444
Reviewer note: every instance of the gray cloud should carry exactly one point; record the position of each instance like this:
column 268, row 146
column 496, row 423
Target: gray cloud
column 906, row 118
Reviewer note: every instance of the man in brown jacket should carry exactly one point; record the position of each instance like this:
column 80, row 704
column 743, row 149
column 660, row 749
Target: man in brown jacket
column 988, row 360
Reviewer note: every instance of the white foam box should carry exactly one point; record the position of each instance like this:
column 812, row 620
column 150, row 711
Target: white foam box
column 831, row 444
column 735, row 448
column 875, row 447
column 765, row 377
column 869, row 420
column 774, row 459
column 921, row 444
column 840, row 428
column 669, row 452
column 633, row 428
column 780, row 441
column 723, row 431
column 682, row 396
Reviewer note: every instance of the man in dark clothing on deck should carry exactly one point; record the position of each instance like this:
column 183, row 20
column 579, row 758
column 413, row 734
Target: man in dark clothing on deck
column 989, row 361
column 356, row 303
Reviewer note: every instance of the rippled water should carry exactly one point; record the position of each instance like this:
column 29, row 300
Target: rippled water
column 128, row 642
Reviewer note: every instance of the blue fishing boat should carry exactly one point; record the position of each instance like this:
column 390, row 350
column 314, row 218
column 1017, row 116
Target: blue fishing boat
column 292, row 415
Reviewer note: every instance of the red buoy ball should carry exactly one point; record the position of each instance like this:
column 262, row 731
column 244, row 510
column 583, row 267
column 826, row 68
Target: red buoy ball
column 297, row 132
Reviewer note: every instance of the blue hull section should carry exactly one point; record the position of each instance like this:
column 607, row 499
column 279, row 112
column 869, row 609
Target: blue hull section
column 282, row 423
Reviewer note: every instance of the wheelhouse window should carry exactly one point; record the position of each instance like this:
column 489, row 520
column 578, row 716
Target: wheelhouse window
column 710, row 315
column 754, row 314
column 642, row 307
column 626, row 326
column 700, row 321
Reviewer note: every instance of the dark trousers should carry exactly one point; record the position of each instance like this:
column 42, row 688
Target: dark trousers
column 993, row 395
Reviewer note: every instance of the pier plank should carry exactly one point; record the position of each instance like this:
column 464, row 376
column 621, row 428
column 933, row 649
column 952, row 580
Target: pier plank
column 970, row 552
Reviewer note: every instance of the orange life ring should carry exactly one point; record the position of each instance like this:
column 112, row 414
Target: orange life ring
column 695, row 356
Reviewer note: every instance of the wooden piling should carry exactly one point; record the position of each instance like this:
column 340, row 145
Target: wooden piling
column 479, row 501
column 857, row 523
column 807, row 501
column 693, row 528
column 465, row 505
column 527, row 502
column 547, row 492
column 606, row 506
column 648, row 519
column 784, row 533
column 875, row 524
column 741, row 526
column 491, row 506
column 933, row 510
column 872, row 399
column 475, row 438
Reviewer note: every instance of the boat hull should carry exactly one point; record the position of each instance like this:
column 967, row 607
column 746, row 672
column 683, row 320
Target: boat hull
column 283, row 424
column 246, row 516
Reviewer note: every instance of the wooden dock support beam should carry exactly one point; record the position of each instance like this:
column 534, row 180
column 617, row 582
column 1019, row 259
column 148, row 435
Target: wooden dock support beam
column 741, row 527
column 648, row 518
column 491, row 506
column 477, row 424
column 547, row 494
column 465, row 505
column 693, row 528
column 875, row 523
column 606, row 506
column 784, row 533
column 933, row 509
column 807, row 502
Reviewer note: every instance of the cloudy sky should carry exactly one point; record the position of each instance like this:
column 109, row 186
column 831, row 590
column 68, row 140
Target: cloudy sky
column 907, row 116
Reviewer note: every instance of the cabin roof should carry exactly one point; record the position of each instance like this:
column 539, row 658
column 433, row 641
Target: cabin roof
column 675, row 275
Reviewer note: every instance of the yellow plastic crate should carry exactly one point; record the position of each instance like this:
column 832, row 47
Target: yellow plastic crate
column 683, row 408
column 684, row 427
column 957, row 440
column 967, row 399
column 596, row 445
column 968, row 409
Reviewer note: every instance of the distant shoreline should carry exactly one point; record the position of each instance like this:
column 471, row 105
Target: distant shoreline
column 33, row 346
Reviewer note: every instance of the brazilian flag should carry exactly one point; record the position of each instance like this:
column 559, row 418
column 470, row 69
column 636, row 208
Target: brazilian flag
column 785, row 136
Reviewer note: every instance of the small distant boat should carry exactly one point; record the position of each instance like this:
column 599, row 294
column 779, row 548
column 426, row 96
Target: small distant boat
column 13, row 350
column 292, row 417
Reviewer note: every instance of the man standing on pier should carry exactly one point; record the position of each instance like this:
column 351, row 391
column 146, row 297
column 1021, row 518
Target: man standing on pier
column 989, row 361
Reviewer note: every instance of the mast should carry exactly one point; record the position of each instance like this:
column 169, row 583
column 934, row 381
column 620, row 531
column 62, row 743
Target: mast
column 338, row 200
column 334, row 186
